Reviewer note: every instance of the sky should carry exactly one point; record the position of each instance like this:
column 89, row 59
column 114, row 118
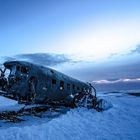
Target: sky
column 92, row 40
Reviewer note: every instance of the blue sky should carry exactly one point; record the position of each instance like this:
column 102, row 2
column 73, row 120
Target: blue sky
column 91, row 34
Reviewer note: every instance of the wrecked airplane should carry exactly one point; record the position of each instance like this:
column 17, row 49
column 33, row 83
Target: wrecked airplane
column 34, row 84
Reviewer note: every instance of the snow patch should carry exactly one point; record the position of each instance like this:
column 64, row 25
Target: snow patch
column 122, row 121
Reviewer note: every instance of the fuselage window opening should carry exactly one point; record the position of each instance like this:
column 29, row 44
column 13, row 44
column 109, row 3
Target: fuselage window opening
column 18, row 68
column 52, row 71
column 78, row 88
column 61, row 85
column 53, row 81
column 25, row 70
column 13, row 70
column 6, row 73
column 68, row 86
column 83, row 89
column 73, row 86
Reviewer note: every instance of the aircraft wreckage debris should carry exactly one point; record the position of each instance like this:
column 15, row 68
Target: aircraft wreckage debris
column 34, row 84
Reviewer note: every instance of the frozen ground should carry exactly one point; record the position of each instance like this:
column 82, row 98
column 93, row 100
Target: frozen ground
column 121, row 122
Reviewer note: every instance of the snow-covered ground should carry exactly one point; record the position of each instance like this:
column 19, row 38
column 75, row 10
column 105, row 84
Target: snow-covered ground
column 121, row 122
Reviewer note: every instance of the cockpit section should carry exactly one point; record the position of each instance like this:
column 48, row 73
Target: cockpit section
column 13, row 70
column 13, row 75
column 22, row 69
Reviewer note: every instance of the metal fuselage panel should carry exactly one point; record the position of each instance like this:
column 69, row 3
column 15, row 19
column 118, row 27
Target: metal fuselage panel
column 50, row 85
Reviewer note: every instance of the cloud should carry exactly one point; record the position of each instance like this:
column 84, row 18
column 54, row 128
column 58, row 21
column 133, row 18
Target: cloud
column 136, row 50
column 125, row 80
column 120, row 84
column 41, row 58
column 111, row 71
column 112, row 55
